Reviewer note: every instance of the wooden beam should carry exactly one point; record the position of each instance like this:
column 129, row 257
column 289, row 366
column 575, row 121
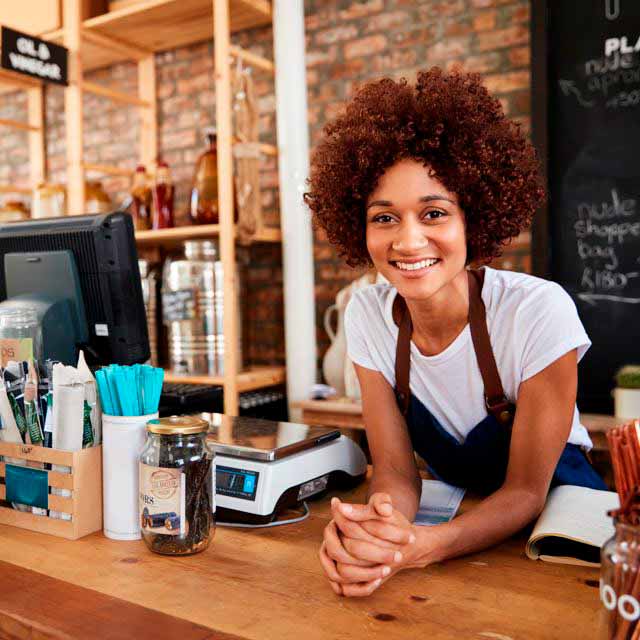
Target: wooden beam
column 116, row 96
column 107, row 169
column 15, row 124
column 252, row 58
column 37, row 151
column 72, row 20
column 18, row 80
column 148, row 117
column 266, row 149
column 115, row 44
column 258, row 5
column 225, row 202
column 6, row 188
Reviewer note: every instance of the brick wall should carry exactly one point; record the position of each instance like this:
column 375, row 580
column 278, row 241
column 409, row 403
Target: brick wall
column 348, row 42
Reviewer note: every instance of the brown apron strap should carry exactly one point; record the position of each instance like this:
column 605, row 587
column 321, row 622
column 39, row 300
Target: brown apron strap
column 403, row 353
column 496, row 401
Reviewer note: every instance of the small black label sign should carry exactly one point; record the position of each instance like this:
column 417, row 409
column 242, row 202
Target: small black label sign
column 33, row 57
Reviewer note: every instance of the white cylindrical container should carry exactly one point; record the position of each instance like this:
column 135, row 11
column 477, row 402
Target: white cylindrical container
column 627, row 403
column 123, row 438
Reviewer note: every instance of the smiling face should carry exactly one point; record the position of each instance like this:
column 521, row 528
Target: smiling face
column 415, row 231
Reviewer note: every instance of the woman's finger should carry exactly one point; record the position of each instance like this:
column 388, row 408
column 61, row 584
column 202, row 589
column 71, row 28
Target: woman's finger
column 335, row 549
column 328, row 565
column 350, row 573
column 398, row 536
column 360, row 590
column 362, row 512
column 371, row 552
column 336, row 587
column 355, row 530
column 382, row 504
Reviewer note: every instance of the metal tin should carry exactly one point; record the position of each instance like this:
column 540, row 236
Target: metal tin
column 193, row 310
column 149, row 280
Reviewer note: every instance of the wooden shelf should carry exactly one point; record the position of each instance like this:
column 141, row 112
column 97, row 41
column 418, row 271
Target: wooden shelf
column 172, row 237
column 250, row 380
column 160, row 25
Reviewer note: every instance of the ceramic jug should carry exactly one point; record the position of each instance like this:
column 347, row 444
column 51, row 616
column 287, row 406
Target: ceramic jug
column 333, row 362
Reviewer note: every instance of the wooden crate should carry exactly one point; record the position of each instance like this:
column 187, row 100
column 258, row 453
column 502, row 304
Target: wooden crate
column 84, row 481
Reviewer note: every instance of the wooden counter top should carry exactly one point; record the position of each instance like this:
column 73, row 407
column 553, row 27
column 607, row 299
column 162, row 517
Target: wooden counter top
column 268, row 584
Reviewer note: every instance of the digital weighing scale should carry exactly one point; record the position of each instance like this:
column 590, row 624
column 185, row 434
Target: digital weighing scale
column 263, row 467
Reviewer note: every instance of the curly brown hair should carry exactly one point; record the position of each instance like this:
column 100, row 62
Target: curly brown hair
column 450, row 122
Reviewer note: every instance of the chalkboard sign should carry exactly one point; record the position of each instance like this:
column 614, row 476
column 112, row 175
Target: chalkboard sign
column 179, row 305
column 32, row 56
column 586, row 85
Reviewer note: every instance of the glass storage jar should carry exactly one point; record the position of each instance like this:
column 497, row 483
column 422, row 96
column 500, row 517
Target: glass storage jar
column 177, row 499
column 20, row 335
column 620, row 583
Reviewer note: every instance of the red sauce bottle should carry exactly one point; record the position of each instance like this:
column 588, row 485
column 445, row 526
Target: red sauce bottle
column 163, row 197
column 141, row 200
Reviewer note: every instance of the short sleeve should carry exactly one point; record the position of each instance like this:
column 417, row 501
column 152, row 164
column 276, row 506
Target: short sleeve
column 549, row 327
column 355, row 323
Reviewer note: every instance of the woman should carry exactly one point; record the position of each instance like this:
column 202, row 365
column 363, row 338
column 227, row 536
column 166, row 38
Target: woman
column 474, row 370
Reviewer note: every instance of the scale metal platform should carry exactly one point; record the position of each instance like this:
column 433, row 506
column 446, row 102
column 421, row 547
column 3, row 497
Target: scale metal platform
column 264, row 467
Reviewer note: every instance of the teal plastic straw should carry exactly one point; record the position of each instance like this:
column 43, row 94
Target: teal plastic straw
column 130, row 391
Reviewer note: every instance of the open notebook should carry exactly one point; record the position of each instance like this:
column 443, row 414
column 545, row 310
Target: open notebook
column 573, row 526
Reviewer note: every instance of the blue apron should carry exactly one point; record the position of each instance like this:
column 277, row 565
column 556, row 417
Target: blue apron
column 480, row 462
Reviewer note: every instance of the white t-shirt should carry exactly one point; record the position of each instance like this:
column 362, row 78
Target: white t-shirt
column 532, row 322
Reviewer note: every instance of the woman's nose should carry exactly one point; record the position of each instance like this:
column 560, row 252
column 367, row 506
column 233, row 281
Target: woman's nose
column 411, row 236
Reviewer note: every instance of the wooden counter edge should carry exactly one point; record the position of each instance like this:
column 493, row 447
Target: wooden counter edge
column 38, row 606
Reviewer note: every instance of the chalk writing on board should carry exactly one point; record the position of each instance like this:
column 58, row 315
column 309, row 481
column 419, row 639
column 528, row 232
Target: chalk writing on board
column 568, row 87
column 601, row 230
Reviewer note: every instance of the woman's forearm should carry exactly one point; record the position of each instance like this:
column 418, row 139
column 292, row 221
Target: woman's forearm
column 404, row 491
column 496, row 518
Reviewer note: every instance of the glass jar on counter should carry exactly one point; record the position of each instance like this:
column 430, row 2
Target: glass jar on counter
column 177, row 499
column 620, row 583
column 20, row 335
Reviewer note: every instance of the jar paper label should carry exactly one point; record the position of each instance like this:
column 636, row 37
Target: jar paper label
column 16, row 349
column 162, row 500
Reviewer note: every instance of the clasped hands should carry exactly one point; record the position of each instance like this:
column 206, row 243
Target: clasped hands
column 365, row 544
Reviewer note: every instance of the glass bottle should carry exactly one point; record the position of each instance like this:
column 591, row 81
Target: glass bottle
column 204, row 194
column 141, row 200
column 163, row 197
column 620, row 583
column 177, row 494
column 20, row 335
column 96, row 198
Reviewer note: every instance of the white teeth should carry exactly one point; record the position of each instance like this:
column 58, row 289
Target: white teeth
column 414, row 266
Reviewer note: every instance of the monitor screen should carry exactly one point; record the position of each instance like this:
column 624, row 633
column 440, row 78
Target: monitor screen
column 105, row 256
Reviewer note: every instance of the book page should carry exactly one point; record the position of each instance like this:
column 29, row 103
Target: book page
column 573, row 513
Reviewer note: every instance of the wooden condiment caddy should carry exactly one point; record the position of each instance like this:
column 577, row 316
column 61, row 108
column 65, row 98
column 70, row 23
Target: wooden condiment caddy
column 84, row 481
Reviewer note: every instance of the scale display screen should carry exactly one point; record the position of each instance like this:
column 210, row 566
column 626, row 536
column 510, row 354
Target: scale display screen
column 237, row 483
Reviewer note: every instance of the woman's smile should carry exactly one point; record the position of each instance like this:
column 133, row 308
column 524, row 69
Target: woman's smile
column 415, row 268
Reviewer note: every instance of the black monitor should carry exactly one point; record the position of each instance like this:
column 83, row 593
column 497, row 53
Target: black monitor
column 81, row 273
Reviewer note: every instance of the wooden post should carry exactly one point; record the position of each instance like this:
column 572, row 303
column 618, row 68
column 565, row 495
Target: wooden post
column 35, row 99
column 148, row 116
column 72, row 21
column 225, row 201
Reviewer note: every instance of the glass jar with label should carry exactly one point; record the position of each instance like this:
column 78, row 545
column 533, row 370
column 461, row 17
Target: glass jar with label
column 177, row 494
column 620, row 583
column 20, row 335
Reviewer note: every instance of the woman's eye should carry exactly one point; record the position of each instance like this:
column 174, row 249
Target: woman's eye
column 434, row 214
column 382, row 217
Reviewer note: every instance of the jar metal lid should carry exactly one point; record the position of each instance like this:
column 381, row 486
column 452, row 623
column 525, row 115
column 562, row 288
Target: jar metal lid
column 178, row 425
